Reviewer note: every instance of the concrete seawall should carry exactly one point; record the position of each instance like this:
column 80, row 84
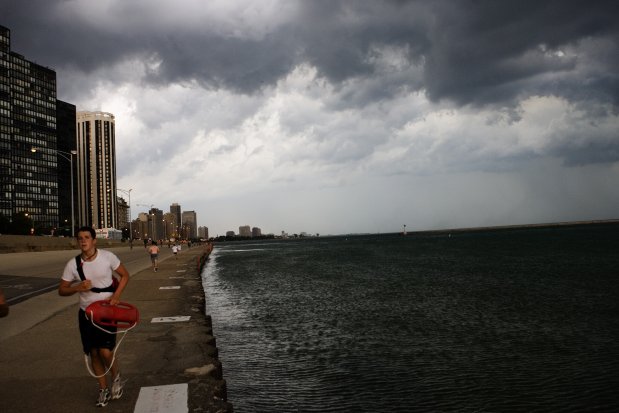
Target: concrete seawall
column 26, row 243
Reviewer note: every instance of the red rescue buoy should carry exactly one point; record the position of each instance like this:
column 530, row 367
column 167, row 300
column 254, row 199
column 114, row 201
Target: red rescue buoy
column 121, row 315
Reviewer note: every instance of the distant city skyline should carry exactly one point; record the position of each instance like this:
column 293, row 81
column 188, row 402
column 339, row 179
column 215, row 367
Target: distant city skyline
column 96, row 201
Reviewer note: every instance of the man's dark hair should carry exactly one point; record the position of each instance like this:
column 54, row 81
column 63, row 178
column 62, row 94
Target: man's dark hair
column 87, row 229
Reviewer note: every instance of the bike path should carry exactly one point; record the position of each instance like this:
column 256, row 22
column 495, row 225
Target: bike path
column 43, row 366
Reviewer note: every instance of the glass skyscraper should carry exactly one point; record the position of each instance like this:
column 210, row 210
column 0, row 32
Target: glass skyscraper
column 28, row 180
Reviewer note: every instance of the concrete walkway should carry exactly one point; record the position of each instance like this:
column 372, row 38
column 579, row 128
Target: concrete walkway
column 169, row 366
column 28, row 275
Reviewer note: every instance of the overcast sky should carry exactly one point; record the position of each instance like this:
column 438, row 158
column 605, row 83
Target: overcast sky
column 346, row 116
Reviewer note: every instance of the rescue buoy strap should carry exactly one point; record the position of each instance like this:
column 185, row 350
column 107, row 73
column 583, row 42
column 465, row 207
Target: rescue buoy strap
column 109, row 289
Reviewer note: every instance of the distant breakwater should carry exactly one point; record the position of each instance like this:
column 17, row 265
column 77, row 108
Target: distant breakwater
column 522, row 226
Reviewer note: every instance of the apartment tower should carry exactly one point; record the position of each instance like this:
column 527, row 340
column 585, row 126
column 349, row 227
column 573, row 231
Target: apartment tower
column 29, row 142
column 190, row 224
column 175, row 209
column 96, row 154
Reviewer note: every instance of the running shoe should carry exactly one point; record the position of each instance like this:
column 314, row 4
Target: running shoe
column 104, row 397
column 117, row 387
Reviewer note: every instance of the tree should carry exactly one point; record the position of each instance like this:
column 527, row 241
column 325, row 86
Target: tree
column 21, row 224
column 5, row 225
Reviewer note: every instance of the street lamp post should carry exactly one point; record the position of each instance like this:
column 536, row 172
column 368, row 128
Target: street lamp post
column 69, row 157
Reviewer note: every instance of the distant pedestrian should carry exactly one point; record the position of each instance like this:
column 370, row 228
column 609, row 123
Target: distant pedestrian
column 98, row 267
column 175, row 251
column 153, row 250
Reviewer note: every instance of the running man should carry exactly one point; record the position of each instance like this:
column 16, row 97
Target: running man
column 153, row 250
column 98, row 267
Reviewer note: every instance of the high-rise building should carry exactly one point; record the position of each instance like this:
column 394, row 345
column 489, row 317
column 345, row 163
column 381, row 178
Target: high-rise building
column 67, row 184
column 156, row 217
column 30, row 185
column 244, row 231
column 169, row 223
column 123, row 216
column 96, row 154
column 190, row 224
column 143, row 229
column 203, row 232
column 176, row 210
column 256, row 232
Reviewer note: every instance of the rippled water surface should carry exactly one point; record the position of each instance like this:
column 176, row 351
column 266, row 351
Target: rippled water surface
column 510, row 320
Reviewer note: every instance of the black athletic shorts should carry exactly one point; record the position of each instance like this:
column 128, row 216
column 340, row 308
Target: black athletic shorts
column 93, row 337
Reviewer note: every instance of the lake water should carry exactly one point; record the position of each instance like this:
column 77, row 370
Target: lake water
column 504, row 320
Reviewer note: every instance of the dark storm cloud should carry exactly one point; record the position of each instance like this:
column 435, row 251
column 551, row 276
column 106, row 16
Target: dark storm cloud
column 477, row 52
column 238, row 64
column 486, row 54
column 493, row 51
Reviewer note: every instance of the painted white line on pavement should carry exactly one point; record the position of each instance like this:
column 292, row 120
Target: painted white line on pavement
column 181, row 270
column 176, row 319
column 170, row 398
column 171, row 287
